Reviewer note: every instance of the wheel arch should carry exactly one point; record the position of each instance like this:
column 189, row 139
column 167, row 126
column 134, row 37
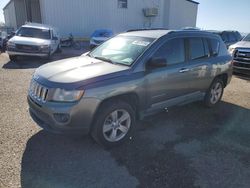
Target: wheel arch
column 130, row 98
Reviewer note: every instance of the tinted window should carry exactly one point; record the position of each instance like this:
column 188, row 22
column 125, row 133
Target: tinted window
column 238, row 35
column 173, row 51
column 215, row 44
column 197, row 49
column 232, row 37
column 122, row 3
column 224, row 37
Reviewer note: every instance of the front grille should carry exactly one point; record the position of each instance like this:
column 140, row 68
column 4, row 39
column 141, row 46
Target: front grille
column 242, row 59
column 242, row 55
column 38, row 91
column 27, row 48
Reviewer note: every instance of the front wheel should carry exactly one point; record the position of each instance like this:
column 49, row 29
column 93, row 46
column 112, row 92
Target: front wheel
column 113, row 124
column 13, row 57
column 214, row 93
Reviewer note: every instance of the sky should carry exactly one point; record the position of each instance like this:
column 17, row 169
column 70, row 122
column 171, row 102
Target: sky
column 224, row 15
column 212, row 14
column 2, row 4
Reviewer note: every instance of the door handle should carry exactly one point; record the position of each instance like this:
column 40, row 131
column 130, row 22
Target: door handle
column 184, row 70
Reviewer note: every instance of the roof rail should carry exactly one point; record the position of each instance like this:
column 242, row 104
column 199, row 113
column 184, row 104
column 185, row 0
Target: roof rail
column 146, row 29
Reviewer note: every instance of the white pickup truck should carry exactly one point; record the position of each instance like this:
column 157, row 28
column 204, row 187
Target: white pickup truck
column 241, row 56
column 34, row 39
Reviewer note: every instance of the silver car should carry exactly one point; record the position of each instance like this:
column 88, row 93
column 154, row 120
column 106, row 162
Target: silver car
column 128, row 77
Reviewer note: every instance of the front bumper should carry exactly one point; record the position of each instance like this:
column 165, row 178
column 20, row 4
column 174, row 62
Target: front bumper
column 27, row 53
column 81, row 115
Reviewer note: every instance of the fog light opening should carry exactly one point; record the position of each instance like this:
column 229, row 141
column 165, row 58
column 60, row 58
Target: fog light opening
column 62, row 118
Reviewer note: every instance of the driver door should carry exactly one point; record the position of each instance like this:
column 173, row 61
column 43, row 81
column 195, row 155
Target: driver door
column 168, row 82
column 54, row 41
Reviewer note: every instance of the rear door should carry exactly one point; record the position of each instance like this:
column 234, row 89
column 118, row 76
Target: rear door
column 199, row 66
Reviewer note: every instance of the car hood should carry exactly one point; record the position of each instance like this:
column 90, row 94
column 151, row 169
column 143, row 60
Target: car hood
column 29, row 41
column 241, row 44
column 77, row 71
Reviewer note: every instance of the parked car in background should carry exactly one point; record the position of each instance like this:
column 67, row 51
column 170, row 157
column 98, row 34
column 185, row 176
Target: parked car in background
column 241, row 56
column 3, row 36
column 100, row 36
column 229, row 37
column 34, row 39
column 128, row 77
column 5, row 40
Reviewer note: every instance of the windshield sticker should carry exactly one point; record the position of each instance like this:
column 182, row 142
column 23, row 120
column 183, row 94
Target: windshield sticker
column 141, row 43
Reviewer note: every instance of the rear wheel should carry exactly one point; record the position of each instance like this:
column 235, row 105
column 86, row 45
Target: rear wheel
column 77, row 45
column 113, row 124
column 214, row 93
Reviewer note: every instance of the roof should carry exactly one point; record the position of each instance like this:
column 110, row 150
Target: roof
column 7, row 4
column 191, row 1
column 161, row 32
column 219, row 32
column 147, row 33
column 37, row 26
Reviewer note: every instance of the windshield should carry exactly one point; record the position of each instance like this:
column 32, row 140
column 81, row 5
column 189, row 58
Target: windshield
column 122, row 49
column 247, row 38
column 34, row 33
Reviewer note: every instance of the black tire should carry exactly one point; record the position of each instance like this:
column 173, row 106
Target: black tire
column 209, row 94
column 58, row 49
column 104, row 112
column 48, row 57
column 13, row 57
column 77, row 45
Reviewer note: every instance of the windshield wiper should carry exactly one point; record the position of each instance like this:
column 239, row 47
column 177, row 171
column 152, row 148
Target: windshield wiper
column 104, row 59
column 89, row 55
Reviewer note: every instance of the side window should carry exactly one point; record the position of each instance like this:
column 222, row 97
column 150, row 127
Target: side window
column 215, row 45
column 206, row 47
column 197, row 48
column 122, row 3
column 173, row 51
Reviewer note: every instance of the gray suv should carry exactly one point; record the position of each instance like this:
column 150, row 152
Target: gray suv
column 130, row 76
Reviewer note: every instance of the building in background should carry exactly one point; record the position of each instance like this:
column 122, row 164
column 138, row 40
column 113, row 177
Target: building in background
column 82, row 17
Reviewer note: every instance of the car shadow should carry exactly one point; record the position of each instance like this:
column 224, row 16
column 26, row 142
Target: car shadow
column 35, row 62
column 66, row 161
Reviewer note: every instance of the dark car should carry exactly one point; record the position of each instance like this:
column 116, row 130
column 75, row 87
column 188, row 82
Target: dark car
column 229, row 37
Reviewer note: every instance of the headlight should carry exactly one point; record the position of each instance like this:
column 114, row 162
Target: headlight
column 11, row 44
column 44, row 47
column 231, row 50
column 61, row 95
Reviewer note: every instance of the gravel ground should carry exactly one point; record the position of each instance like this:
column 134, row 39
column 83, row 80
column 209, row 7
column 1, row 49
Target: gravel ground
column 189, row 146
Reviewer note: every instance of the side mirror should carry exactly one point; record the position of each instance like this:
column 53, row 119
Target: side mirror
column 157, row 62
column 54, row 38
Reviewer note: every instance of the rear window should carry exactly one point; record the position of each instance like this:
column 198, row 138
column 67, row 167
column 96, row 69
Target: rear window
column 232, row 37
column 215, row 44
column 238, row 35
column 198, row 48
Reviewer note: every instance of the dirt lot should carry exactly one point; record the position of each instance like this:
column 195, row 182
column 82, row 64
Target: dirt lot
column 189, row 146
